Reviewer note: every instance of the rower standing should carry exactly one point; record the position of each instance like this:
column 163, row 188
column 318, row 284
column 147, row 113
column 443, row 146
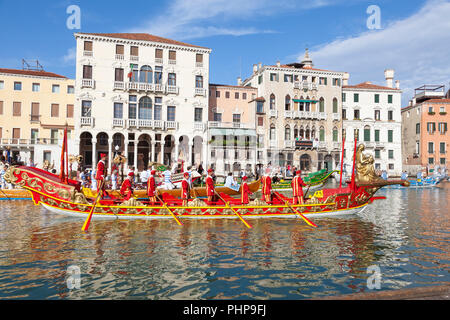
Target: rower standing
column 244, row 191
column 210, row 185
column 185, row 189
column 101, row 173
column 127, row 186
column 297, row 184
column 151, row 187
column 266, row 188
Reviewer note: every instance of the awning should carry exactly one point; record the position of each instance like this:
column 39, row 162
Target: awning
column 302, row 100
column 232, row 132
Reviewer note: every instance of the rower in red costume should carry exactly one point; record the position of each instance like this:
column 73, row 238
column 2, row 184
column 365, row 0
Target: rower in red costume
column 266, row 188
column 297, row 184
column 127, row 187
column 185, row 189
column 244, row 191
column 151, row 187
column 210, row 185
column 101, row 173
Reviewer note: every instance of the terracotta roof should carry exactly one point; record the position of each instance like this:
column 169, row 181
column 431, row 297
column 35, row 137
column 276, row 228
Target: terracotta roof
column 228, row 85
column 259, row 99
column 142, row 37
column 303, row 68
column 366, row 85
column 437, row 101
column 32, row 73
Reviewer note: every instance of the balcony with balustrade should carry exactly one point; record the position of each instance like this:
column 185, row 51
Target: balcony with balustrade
column 288, row 114
column 134, row 58
column 322, row 116
column 172, row 89
column 336, row 117
column 289, row 143
column 118, row 123
column 199, row 126
column 273, row 113
column 119, row 85
column 159, row 60
column 200, row 92
column 87, row 83
column 88, row 53
column 240, row 125
column 120, row 57
column 86, row 121
column 173, row 62
column 369, row 144
column 199, row 64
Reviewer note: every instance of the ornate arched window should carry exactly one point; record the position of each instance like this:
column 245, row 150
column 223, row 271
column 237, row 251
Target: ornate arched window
column 145, row 108
column 322, row 134
column 287, row 133
column 272, row 102
column 287, row 104
column 272, row 132
column 335, row 105
column 335, row 134
column 146, row 74
column 322, row 105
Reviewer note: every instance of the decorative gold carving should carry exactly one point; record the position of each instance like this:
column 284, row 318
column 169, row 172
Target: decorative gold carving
column 132, row 202
column 197, row 203
column 257, row 203
column 365, row 170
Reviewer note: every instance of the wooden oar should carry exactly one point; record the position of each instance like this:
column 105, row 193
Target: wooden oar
column 304, row 196
column 167, row 208
column 309, row 222
column 227, row 204
column 88, row 219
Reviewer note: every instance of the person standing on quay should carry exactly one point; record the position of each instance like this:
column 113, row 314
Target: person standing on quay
column 151, row 187
column 297, row 188
column 210, row 185
column 101, row 173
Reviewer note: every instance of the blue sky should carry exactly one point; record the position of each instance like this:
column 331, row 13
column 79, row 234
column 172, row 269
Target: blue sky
column 414, row 38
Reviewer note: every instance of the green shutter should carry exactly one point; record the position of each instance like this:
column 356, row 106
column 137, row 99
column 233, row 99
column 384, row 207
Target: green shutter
column 377, row 154
column 390, row 133
column 335, row 106
column 366, row 134
column 389, row 98
column 343, row 97
column 322, row 135
column 377, row 135
column 335, row 135
column 322, row 106
column 356, row 97
column 377, row 98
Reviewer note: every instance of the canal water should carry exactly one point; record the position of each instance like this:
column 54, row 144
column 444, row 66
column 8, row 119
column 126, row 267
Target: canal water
column 405, row 237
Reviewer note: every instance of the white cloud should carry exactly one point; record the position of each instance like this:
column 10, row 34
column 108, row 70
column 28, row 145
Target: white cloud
column 71, row 56
column 203, row 18
column 418, row 48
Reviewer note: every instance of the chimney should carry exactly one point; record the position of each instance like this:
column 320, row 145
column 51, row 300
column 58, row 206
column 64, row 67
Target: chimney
column 278, row 63
column 260, row 66
column 397, row 84
column 239, row 81
column 255, row 68
column 389, row 75
column 345, row 79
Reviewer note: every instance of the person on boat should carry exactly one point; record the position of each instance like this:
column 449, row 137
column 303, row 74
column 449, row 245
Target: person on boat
column 189, row 171
column 266, row 188
column 151, row 187
column 126, row 190
column 167, row 175
column 101, row 173
column 185, row 189
column 230, row 182
column 297, row 188
column 210, row 185
column 245, row 191
column 93, row 181
column 404, row 175
column 114, row 177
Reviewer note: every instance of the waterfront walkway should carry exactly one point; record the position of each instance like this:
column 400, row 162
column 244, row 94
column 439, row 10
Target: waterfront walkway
column 441, row 292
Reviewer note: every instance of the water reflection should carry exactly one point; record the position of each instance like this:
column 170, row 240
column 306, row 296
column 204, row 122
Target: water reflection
column 406, row 235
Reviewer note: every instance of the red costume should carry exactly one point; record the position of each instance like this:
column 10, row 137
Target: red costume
column 209, row 185
column 297, row 184
column 151, row 185
column 100, row 174
column 185, row 187
column 244, row 191
column 266, row 186
column 126, row 190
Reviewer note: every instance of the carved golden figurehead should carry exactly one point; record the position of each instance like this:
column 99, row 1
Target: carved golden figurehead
column 119, row 159
column 365, row 169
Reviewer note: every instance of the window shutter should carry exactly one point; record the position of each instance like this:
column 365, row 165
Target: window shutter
column 55, row 110
column 16, row 133
column 87, row 72
column 134, row 51
column 199, row 57
column 172, row 55
column 88, row 46
column 35, row 109
column 119, row 74
column 158, row 53
column 1, row 107
column 16, row 109
column 120, row 49
column 69, row 111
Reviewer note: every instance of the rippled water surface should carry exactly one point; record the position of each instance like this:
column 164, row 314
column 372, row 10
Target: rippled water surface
column 407, row 236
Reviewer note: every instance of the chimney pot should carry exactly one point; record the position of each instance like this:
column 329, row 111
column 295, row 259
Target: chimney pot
column 239, row 81
column 389, row 75
column 278, row 63
column 397, row 84
column 345, row 78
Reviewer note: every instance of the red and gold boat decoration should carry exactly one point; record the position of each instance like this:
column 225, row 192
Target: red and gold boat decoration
column 62, row 195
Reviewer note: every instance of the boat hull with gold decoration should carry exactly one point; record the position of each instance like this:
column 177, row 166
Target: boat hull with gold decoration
column 67, row 198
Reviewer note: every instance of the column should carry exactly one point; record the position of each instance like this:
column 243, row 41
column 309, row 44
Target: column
column 153, row 151
column 205, row 155
column 94, row 153
column 110, row 154
column 177, row 150
column 190, row 153
column 161, row 154
column 125, row 153
column 135, row 153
